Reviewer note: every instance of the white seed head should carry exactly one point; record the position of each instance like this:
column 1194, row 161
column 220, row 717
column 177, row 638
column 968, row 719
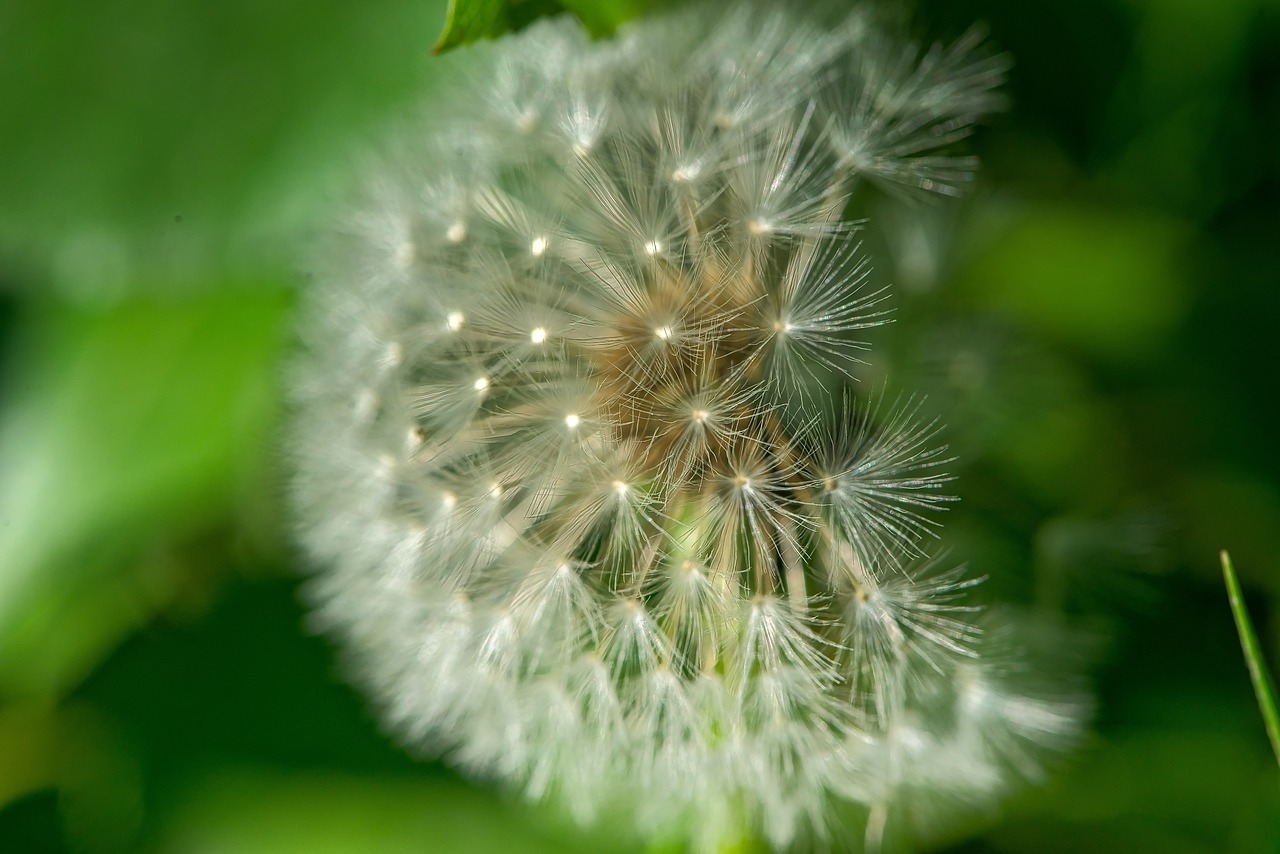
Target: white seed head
column 674, row 565
column 686, row 173
column 405, row 254
column 393, row 355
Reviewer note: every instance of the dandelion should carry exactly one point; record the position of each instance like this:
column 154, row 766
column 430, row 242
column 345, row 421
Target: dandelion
column 599, row 508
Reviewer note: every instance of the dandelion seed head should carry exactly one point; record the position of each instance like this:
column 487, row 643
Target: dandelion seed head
column 405, row 254
column 687, row 173
column 611, row 520
column 526, row 121
column 394, row 355
column 366, row 404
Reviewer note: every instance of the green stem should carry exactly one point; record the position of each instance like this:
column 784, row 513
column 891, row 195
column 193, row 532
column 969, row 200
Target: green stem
column 1253, row 656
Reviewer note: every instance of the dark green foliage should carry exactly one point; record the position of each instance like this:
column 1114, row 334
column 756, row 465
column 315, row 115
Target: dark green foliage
column 1101, row 335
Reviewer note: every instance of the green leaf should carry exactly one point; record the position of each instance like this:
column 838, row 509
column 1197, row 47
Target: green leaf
column 469, row 21
column 1253, row 655
column 124, row 431
column 1109, row 283
column 602, row 17
column 472, row 20
column 331, row 814
column 149, row 145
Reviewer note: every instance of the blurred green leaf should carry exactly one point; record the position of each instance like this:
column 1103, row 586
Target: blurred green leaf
column 602, row 17
column 256, row 811
column 1235, row 505
column 1172, row 100
column 1105, row 282
column 470, row 21
column 122, row 429
column 27, row 736
column 149, row 143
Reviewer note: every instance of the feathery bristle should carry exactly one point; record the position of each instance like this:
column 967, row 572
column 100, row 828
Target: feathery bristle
column 599, row 507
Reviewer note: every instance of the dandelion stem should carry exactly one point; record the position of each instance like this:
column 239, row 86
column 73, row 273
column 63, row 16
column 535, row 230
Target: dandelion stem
column 1262, row 685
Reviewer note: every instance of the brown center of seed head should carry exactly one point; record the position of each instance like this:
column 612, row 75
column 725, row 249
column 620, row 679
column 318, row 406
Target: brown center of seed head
column 683, row 378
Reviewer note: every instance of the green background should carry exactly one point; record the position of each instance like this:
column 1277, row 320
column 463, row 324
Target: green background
column 1100, row 333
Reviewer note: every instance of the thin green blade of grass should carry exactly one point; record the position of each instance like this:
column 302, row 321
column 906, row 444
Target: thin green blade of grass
column 1262, row 685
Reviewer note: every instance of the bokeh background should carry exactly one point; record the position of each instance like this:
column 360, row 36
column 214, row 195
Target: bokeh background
column 1098, row 323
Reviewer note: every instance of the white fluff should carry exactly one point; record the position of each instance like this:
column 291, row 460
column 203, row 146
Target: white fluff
column 594, row 506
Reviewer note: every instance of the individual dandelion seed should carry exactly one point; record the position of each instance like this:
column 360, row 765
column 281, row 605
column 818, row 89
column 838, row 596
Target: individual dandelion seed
column 597, row 504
